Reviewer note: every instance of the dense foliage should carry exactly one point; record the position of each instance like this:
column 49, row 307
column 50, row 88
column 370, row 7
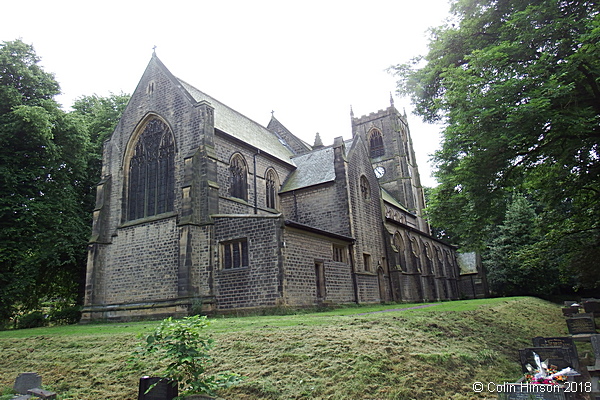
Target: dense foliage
column 518, row 85
column 48, row 165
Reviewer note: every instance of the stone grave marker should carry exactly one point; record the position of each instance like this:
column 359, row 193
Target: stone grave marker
column 164, row 390
column 581, row 325
column 569, row 311
column 42, row 394
column 518, row 391
column 565, row 342
column 592, row 307
column 26, row 381
column 560, row 357
column 594, row 370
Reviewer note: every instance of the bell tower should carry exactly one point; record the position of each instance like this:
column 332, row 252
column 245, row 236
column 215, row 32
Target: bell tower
column 390, row 148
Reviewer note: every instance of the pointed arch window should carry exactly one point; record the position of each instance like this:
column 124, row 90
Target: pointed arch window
column 151, row 187
column 401, row 248
column 272, row 186
column 239, row 178
column 376, row 143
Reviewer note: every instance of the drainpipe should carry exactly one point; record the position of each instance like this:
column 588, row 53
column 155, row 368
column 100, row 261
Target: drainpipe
column 255, row 183
column 353, row 274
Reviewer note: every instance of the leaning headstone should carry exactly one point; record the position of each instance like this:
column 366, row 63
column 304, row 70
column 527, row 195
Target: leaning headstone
column 165, row 389
column 520, row 391
column 581, row 325
column 560, row 357
column 564, row 342
column 26, row 381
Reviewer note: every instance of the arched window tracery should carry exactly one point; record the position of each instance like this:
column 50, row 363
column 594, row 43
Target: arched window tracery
column 239, row 177
column 151, row 175
column 272, row 187
column 376, row 148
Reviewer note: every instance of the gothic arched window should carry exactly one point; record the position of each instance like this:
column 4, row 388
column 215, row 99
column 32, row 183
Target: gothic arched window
column 238, row 174
column 376, row 144
column 271, row 188
column 399, row 244
column 151, row 189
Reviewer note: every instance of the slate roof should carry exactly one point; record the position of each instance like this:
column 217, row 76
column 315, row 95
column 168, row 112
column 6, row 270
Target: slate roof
column 388, row 198
column 312, row 169
column 243, row 128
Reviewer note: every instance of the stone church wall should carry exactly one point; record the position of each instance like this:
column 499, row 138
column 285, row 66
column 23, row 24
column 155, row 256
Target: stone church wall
column 226, row 148
column 370, row 254
column 301, row 251
column 318, row 206
column 258, row 284
column 143, row 263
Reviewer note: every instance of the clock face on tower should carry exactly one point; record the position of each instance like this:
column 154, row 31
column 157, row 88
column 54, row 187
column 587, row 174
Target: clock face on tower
column 379, row 172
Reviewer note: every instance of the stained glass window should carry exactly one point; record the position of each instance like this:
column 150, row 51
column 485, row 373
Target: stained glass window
column 239, row 185
column 151, row 188
column 271, row 189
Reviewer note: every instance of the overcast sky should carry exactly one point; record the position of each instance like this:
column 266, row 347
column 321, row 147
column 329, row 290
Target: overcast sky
column 308, row 61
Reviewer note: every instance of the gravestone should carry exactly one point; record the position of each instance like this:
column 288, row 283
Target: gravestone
column 164, row 390
column 519, row 391
column 42, row 394
column 26, row 381
column 592, row 307
column 565, row 342
column 581, row 325
column 594, row 370
column 569, row 311
column 560, row 357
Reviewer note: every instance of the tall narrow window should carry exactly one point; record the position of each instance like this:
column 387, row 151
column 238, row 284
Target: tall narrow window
column 367, row 262
column 151, row 172
column 271, row 188
column 399, row 244
column 239, row 179
column 365, row 188
column 376, row 143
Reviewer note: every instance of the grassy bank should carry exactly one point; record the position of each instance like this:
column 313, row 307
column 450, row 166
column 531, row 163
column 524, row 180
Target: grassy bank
column 435, row 352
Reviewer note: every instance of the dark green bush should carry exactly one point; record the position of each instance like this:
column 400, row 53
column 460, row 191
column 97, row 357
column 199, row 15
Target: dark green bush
column 34, row 319
column 66, row 316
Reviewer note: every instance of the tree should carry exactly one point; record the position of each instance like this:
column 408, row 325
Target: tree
column 43, row 167
column 99, row 117
column 510, row 259
column 518, row 85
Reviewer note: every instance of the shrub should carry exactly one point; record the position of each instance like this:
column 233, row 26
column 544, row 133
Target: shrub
column 34, row 319
column 66, row 316
column 183, row 345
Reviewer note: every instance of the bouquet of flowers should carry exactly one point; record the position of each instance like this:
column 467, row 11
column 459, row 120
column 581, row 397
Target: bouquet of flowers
column 547, row 374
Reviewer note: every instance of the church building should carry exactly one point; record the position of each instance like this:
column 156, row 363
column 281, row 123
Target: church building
column 200, row 207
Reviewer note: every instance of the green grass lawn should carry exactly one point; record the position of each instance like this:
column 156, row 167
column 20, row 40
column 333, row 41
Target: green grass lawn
column 369, row 352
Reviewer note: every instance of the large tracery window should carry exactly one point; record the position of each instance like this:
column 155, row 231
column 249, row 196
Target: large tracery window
column 151, row 189
column 376, row 144
column 239, row 178
column 271, row 188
